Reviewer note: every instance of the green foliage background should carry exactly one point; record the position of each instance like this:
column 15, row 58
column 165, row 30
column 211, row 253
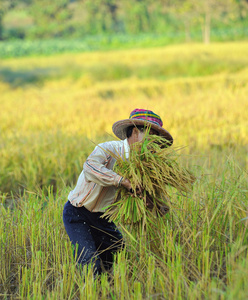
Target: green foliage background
column 194, row 20
column 47, row 131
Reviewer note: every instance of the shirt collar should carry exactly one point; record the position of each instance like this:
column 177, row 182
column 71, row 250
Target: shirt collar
column 126, row 149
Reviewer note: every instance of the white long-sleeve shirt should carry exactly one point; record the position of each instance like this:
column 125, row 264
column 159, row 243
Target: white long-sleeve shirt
column 97, row 183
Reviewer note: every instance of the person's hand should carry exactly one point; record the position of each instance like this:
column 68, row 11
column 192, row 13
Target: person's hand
column 127, row 184
column 149, row 202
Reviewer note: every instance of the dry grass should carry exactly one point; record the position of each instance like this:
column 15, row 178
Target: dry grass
column 200, row 247
column 151, row 168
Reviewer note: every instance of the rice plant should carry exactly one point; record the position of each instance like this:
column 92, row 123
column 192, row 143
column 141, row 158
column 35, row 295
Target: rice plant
column 198, row 250
column 151, row 168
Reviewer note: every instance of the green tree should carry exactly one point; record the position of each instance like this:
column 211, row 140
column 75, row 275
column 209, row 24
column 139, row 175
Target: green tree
column 112, row 8
column 202, row 12
column 187, row 14
column 136, row 16
column 1, row 24
column 212, row 9
column 5, row 6
column 101, row 16
column 242, row 8
column 50, row 17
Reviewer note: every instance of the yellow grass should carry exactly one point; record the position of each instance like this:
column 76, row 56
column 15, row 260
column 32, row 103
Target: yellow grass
column 199, row 110
column 49, row 105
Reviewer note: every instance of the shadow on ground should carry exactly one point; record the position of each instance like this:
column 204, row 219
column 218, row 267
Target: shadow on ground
column 19, row 78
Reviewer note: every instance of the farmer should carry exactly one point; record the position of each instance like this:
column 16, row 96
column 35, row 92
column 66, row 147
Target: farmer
column 95, row 239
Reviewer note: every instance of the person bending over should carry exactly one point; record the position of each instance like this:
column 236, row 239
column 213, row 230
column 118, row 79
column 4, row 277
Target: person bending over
column 95, row 239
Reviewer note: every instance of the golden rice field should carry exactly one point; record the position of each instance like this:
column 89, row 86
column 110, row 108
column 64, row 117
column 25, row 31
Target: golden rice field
column 55, row 109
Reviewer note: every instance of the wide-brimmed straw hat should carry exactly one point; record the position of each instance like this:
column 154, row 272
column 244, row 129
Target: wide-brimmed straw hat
column 141, row 117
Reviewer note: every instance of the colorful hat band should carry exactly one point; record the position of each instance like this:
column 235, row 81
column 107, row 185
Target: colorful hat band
column 146, row 115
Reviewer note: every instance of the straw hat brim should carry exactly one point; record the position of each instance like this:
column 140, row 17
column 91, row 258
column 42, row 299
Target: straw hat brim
column 120, row 127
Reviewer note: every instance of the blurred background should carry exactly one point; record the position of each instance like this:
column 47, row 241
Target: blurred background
column 70, row 69
column 104, row 24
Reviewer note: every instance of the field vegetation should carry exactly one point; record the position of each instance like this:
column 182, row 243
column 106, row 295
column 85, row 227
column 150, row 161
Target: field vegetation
column 188, row 19
column 55, row 109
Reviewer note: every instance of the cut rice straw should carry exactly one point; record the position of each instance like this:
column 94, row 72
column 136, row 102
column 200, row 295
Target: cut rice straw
column 151, row 168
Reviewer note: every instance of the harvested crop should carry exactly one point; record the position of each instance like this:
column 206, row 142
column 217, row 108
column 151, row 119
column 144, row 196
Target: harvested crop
column 151, row 168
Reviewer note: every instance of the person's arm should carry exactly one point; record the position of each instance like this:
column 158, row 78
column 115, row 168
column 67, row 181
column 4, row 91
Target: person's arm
column 127, row 184
column 95, row 167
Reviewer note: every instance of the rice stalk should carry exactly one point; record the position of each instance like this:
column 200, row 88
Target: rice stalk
column 151, row 168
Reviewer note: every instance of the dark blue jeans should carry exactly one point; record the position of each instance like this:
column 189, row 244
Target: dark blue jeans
column 94, row 238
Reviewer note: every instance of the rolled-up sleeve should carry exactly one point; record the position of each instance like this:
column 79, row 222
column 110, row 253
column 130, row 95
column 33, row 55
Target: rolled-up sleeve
column 96, row 167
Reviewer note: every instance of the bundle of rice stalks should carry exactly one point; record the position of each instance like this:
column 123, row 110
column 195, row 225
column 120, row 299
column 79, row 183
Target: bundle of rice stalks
column 151, row 168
